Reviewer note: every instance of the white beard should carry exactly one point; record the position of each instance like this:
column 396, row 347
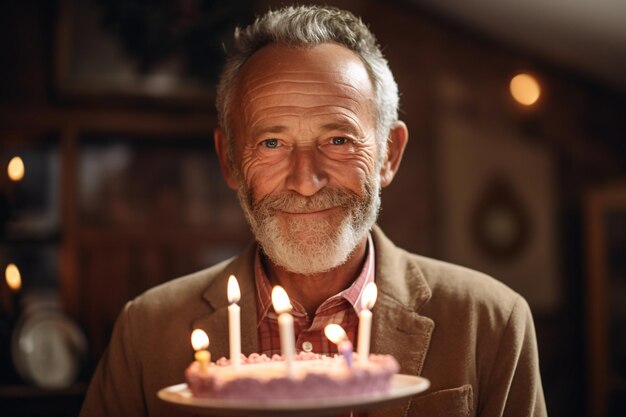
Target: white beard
column 309, row 246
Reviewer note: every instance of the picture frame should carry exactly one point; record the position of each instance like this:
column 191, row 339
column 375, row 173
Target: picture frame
column 137, row 52
column 498, row 216
column 605, row 292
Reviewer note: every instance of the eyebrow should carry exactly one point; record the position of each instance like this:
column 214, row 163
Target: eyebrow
column 269, row 129
column 342, row 126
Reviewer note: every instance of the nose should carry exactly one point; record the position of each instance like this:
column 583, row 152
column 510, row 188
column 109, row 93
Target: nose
column 305, row 177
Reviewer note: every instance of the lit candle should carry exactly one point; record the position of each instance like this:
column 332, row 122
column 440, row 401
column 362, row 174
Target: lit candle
column 234, row 321
column 368, row 299
column 338, row 336
column 282, row 306
column 200, row 343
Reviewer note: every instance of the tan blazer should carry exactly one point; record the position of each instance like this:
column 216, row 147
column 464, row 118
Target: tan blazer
column 471, row 336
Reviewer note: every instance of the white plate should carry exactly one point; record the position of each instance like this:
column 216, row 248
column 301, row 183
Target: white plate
column 402, row 386
column 48, row 348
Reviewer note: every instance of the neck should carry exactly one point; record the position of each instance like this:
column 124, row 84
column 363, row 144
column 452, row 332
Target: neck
column 312, row 290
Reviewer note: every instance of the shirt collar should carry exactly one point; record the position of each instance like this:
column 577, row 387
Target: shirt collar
column 352, row 294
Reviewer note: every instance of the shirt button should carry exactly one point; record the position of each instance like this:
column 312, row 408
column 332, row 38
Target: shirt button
column 307, row 346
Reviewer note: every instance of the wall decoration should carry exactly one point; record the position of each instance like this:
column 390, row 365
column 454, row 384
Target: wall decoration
column 500, row 224
column 165, row 51
column 497, row 206
column 137, row 182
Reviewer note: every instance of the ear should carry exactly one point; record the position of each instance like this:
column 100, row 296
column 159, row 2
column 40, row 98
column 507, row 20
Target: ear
column 221, row 148
column 396, row 143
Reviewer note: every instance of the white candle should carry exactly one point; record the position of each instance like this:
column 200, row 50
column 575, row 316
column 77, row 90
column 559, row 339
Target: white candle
column 336, row 334
column 234, row 322
column 282, row 306
column 368, row 299
column 200, row 342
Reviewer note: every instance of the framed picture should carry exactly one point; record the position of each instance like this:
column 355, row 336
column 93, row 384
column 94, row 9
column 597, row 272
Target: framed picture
column 605, row 222
column 497, row 208
column 165, row 52
column 137, row 182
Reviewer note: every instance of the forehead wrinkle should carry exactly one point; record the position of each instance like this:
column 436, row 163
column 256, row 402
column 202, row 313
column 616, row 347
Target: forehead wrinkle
column 252, row 90
column 300, row 93
column 246, row 104
column 248, row 101
column 345, row 112
column 354, row 127
column 272, row 78
column 333, row 103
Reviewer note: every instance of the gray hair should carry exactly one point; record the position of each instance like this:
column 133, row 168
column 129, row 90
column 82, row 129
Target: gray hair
column 305, row 26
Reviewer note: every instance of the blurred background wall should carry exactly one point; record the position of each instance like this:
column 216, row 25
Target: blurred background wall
column 108, row 107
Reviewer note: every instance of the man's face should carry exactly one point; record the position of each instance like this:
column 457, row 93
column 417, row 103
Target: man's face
column 305, row 154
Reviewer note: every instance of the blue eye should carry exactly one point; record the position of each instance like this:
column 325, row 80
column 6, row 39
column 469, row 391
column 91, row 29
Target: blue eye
column 339, row 141
column 270, row 143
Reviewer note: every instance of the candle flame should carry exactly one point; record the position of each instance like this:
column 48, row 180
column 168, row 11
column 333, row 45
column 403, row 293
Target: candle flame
column 368, row 298
column 13, row 277
column 15, row 169
column 335, row 333
column 199, row 340
column 234, row 294
column 280, row 300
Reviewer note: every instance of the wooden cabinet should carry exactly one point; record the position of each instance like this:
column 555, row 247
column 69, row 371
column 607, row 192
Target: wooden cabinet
column 133, row 199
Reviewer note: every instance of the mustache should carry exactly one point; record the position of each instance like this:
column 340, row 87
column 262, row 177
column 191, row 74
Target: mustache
column 292, row 202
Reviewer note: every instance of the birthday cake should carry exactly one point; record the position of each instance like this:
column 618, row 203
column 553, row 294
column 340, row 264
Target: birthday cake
column 260, row 378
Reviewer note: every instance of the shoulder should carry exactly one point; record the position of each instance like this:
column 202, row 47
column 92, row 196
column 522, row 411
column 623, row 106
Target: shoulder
column 428, row 284
column 463, row 292
column 450, row 280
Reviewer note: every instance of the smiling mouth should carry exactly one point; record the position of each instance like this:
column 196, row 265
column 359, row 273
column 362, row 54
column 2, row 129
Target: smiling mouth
column 313, row 212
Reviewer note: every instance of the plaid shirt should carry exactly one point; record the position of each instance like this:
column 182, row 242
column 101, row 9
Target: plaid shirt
column 342, row 308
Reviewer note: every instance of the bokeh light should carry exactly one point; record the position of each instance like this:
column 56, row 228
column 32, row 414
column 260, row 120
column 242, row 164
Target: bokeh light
column 15, row 169
column 13, row 277
column 525, row 89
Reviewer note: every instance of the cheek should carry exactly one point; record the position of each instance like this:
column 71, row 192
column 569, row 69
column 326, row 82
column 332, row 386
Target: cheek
column 262, row 173
column 366, row 161
column 357, row 165
column 353, row 175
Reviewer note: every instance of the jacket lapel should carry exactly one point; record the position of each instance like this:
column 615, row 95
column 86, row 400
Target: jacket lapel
column 215, row 322
column 397, row 328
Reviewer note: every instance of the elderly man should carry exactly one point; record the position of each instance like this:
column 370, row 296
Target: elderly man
column 308, row 136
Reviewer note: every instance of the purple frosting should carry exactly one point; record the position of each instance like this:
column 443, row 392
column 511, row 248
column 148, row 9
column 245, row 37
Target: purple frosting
column 327, row 378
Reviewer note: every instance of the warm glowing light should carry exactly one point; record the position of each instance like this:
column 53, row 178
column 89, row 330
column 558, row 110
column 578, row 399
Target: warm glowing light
column 370, row 293
column 525, row 89
column 199, row 339
column 15, row 169
column 335, row 333
column 233, row 292
column 280, row 300
column 13, row 277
